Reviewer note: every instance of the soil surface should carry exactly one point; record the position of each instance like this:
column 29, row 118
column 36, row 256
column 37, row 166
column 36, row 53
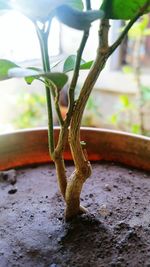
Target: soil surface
column 115, row 233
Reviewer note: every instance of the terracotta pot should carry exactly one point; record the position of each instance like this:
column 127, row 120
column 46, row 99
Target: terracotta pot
column 28, row 147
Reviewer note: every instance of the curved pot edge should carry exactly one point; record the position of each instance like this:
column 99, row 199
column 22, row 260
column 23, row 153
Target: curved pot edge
column 27, row 147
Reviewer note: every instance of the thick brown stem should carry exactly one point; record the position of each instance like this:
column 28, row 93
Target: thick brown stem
column 73, row 191
column 81, row 173
column 82, row 165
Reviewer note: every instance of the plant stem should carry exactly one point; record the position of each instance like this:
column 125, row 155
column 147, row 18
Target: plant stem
column 63, row 135
column 76, row 75
column 88, row 4
column 77, row 69
column 102, row 55
column 43, row 40
column 82, row 165
column 55, row 93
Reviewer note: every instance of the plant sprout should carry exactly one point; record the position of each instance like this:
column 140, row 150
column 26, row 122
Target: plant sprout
column 77, row 15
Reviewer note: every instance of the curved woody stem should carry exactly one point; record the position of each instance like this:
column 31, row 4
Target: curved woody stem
column 63, row 136
column 82, row 165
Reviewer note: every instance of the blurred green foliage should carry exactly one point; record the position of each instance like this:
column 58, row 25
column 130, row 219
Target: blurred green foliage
column 128, row 111
column 32, row 111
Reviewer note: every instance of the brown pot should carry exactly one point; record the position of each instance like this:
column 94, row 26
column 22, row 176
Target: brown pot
column 28, row 147
column 32, row 230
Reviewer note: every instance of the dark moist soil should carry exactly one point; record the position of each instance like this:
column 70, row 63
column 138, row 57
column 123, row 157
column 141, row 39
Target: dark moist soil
column 116, row 233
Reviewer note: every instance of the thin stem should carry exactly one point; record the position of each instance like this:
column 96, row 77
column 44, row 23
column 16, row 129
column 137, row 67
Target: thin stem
column 102, row 55
column 128, row 27
column 76, row 70
column 88, row 4
column 76, row 75
column 43, row 40
column 55, row 93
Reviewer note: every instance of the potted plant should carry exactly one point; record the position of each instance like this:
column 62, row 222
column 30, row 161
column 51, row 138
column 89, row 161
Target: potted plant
column 116, row 146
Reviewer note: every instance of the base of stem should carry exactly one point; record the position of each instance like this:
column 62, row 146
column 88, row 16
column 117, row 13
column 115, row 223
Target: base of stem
column 71, row 214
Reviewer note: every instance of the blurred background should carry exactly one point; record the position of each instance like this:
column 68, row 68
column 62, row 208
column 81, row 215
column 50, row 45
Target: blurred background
column 121, row 96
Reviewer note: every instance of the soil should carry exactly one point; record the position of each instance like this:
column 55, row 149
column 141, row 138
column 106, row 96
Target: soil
column 115, row 233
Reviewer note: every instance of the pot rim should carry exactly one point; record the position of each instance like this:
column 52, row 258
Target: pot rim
column 30, row 146
column 91, row 129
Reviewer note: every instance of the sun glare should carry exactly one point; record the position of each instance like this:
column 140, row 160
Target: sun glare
column 18, row 38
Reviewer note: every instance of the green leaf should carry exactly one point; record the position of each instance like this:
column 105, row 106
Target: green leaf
column 122, row 9
column 57, row 78
column 87, row 65
column 30, row 79
column 5, row 66
column 9, row 69
column 70, row 62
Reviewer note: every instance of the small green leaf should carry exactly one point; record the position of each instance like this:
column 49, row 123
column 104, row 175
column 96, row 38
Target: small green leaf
column 70, row 62
column 30, row 79
column 5, row 66
column 86, row 65
column 59, row 79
